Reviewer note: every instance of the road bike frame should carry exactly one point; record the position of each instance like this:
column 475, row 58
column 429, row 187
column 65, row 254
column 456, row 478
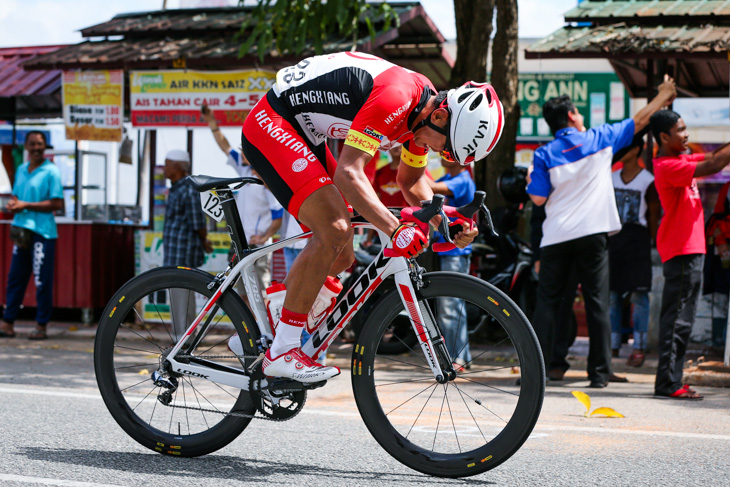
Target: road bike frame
column 405, row 273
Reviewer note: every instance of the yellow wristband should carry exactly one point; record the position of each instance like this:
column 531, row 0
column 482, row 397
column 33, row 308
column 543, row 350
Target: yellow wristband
column 413, row 160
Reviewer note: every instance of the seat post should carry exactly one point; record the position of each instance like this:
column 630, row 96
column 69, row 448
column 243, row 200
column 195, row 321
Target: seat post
column 233, row 220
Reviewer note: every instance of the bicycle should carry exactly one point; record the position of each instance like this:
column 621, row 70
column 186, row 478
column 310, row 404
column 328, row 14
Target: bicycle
column 184, row 394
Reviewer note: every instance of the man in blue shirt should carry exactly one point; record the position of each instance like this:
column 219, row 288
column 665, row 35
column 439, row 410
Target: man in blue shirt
column 37, row 193
column 571, row 176
column 458, row 187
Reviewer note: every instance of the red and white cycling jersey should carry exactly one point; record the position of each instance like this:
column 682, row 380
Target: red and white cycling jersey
column 361, row 98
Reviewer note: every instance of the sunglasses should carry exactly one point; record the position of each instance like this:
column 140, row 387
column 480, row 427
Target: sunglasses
column 448, row 152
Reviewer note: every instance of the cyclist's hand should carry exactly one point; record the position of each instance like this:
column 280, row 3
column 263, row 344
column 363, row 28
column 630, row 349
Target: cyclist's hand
column 408, row 240
column 466, row 236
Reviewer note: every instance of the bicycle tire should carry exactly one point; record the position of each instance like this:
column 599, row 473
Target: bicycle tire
column 373, row 374
column 112, row 347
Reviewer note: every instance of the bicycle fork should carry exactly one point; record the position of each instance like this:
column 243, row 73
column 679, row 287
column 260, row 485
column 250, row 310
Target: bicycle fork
column 424, row 324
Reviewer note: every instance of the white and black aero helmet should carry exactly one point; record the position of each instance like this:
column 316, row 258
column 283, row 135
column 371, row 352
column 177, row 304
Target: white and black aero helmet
column 475, row 123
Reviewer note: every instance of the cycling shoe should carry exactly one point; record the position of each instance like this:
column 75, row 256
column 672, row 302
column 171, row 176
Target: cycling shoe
column 298, row 366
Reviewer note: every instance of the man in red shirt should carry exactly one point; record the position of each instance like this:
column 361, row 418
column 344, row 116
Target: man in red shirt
column 680, row 242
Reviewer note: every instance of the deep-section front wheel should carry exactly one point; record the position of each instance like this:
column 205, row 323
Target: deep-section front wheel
column 171, row 412
column 474, row 422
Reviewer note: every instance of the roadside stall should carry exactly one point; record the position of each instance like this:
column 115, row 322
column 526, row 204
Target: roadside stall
column 94, row 251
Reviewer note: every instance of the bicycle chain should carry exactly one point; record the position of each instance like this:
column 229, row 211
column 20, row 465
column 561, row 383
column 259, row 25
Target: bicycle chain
column 230, row 413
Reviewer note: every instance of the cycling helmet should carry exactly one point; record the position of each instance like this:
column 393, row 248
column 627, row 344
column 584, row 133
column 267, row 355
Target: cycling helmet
column 475, row 124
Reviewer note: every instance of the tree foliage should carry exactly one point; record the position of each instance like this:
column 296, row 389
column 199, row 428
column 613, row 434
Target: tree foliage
column 289, row 26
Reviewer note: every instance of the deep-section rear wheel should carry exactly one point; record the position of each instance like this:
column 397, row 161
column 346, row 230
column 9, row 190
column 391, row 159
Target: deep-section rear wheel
column 181, row 414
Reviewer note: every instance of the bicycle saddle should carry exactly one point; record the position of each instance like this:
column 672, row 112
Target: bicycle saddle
column 206, row 183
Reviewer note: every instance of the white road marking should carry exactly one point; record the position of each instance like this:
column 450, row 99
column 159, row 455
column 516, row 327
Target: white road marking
column 539, row 429
column 45, row 481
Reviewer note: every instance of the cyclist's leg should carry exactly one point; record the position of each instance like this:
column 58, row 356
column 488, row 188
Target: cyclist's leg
column 296, row 173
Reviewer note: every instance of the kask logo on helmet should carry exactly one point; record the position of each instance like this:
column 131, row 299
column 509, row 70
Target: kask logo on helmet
column 472, row 146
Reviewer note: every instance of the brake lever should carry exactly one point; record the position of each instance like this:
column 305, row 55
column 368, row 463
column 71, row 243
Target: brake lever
column 488, row 215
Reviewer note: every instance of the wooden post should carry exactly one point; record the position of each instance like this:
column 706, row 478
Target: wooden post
column 190, row 149
column 650, row 93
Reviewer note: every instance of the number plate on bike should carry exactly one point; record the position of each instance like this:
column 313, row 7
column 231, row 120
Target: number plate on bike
column 211, row 205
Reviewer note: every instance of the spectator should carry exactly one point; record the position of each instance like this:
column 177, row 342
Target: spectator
column 629, row 251
column 37, row 193
column 458, row 187
column 385, row 183
column 680, row 242
column 566, row 328
column 261, row 214
column 184, row 236
column 716, row 275
column 574, row 170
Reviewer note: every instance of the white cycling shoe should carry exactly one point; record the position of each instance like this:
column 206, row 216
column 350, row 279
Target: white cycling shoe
column 298, row 366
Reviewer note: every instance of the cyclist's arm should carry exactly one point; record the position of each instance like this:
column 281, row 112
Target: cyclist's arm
column 413, row 182
column 351, row 180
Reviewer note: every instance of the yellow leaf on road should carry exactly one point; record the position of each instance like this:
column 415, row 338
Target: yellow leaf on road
column 584, row 399
column 73, row 328
column 608, row 412
column 144, row 372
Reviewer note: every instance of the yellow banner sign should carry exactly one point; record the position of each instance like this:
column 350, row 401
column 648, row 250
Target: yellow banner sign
column 173, row 98
column 93, row 105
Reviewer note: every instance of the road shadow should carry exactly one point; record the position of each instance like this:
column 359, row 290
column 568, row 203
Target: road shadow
column 222, row 467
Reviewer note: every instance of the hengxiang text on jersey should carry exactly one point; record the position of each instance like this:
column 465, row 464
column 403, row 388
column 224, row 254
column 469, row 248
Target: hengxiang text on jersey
column 283, row 137
column 319, row 96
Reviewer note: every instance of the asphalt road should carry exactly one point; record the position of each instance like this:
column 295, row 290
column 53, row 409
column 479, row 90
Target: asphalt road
column 56, row 431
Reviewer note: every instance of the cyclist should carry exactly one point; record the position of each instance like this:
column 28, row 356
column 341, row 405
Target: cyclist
column 373, row 105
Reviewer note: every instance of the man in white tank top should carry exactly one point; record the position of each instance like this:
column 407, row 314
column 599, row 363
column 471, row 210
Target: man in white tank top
column 630, row 249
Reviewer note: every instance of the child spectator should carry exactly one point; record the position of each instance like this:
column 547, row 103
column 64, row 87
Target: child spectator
column 680, row 242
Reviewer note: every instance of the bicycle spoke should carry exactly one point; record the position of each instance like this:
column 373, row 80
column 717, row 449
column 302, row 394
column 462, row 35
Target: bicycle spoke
column 142, row 337
column 404, row 382
column 478, row 402
column 185, row 403
column 197, row 399
column 135, row 385
column 491, row 387
column 140, row 402
column 412, row 397
column 421, row 411
column 135, row 365
column 138, row 350
column 438, row 423
column 461, row 395
column 448, row 406
column 384, row 357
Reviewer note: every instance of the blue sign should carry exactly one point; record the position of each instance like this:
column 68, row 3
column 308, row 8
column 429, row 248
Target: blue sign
column 6, row 135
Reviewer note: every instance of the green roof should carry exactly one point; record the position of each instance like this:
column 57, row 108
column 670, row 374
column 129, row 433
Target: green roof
column 602, row 11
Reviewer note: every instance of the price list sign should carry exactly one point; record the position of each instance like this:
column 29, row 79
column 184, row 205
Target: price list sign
column 173, row 98
column 93, row 105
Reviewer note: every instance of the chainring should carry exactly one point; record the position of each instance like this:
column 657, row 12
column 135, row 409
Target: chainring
column 278, row 407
